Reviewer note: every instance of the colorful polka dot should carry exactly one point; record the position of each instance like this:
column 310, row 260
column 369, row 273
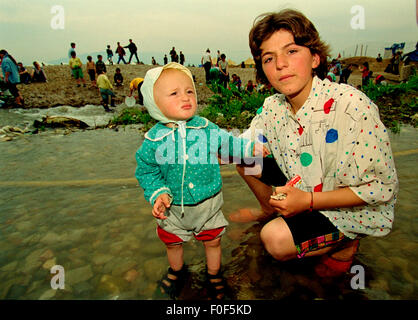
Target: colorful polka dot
column 305, row 159
column 332, row 136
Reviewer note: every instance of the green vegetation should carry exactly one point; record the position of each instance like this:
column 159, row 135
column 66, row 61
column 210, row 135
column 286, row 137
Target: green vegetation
column 232, row 108
column 133, row 116
column 397, row 103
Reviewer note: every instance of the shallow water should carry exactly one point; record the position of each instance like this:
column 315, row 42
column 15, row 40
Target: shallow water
column 72, row 200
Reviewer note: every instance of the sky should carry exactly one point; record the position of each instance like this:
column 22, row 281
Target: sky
column 33, row 30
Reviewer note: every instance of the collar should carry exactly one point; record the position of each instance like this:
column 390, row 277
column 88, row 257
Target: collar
column 160, row 131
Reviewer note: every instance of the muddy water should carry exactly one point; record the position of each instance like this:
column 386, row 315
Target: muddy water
column 71, row 200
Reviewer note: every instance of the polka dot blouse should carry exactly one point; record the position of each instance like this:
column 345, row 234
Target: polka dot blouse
column 335, row 140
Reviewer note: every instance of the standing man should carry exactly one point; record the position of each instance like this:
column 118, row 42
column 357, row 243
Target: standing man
column 121, row 53
column 173, row 54
column 133, row 50
column 181, row 58
column 207, row 64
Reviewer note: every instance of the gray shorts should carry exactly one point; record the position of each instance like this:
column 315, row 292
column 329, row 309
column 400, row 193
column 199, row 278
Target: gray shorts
column 205, row 221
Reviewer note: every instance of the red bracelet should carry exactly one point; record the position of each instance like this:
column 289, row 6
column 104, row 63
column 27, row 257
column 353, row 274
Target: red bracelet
column 311, row 205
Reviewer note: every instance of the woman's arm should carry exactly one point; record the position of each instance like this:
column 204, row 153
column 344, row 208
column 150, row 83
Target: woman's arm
column 298, row 201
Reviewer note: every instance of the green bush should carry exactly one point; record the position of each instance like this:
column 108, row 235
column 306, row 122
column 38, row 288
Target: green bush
column 133, row 116
column 397, row 103
column 232, row 107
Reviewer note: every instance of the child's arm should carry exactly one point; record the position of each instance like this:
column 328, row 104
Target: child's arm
column 148, row 173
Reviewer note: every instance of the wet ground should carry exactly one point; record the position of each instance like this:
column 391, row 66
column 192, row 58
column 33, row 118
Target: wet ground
column 71, row 199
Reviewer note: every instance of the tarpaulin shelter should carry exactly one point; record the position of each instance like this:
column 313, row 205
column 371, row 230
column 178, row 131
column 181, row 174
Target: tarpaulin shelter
column 249, row 63
column 393, row 49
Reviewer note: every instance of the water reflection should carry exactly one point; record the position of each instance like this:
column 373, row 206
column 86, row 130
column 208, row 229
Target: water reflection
column 102, row 232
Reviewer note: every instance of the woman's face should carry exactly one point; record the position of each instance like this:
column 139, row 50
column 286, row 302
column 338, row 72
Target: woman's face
column 288, row 66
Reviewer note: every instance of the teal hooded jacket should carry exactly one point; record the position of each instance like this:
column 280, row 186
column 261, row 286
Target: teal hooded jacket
column 185, row 166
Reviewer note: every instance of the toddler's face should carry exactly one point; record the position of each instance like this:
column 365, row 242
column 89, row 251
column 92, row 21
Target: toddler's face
column 174, row 94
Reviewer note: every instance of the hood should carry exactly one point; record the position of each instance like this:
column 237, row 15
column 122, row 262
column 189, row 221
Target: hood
column 147, row 89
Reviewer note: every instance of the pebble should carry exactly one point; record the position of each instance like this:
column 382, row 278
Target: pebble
column 131, row 275
column 49, row 294
column 49, row 263
column 78, row 275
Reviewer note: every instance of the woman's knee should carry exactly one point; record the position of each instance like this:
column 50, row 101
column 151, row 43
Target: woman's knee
column 277, row 242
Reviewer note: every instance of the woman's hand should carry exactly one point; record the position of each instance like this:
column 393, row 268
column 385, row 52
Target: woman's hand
column 259, row 149
column 162, row 203
column 296, row 201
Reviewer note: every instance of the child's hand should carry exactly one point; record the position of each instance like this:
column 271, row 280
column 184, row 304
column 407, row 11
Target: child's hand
column 259, row 149
column 160, row 205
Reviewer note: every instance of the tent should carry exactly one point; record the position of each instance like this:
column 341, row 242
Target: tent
column 231, row 63
column 249, row 63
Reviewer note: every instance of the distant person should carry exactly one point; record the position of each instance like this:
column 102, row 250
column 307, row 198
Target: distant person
column 75, row 65
column 136, row 84
column 153, row 62
column 243, row 65
column 91, row 70
column 345, row 73
column 11, row 76
column 182, row 59
column 218, row 57
column 379, row 58
column 365, row 74
column 380, row 80
column 25, row 76
column 121, row 52
column 109, row 53
column 397, row 62
column 38, row 74
column 118, row 78
column 236, row 81
column 224, row 69
column 72, row 49
column 105, row 90
column 173, row 54
column 250, row 86
column 389, row 67
column 100, row 65
column 133, row 50
column 207, row 64
column 331, row 76
column 165, row 59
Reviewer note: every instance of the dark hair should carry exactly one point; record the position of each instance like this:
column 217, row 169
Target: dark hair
column 117, row 69
column 72, row 44
column 99, row 56
column 73, row 54
column 4, row 52
column 89, row 58
column 223, row 56
column 303, row 31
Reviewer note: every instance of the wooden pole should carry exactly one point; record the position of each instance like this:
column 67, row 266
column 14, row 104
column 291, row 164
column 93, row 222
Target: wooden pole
column 365, row 52
column 355, row 53
column 361, row 51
